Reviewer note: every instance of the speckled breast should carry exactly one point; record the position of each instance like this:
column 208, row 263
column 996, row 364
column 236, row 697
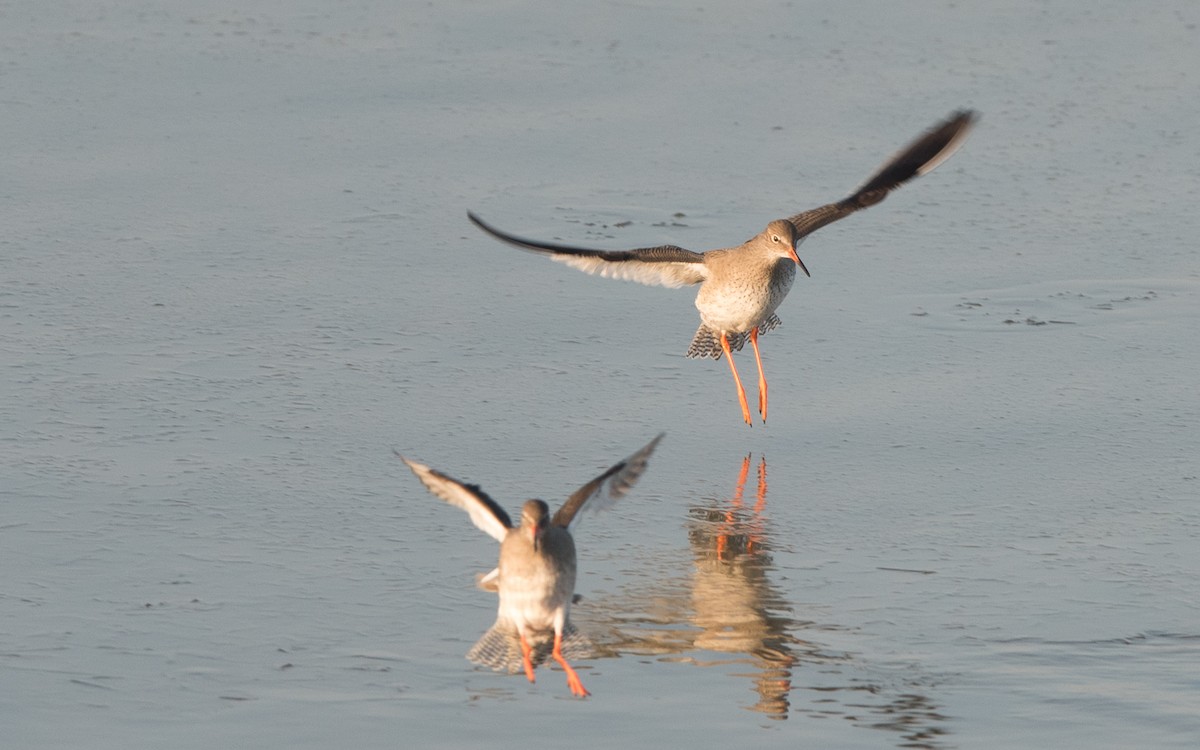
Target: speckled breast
column 743, row 303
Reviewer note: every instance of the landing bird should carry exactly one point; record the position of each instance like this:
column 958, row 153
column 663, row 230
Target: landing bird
column 536, row 575
column 740, row 287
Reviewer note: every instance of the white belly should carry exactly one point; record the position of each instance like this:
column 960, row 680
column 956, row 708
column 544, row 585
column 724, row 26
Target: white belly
column 737, row 305
column 533, row 597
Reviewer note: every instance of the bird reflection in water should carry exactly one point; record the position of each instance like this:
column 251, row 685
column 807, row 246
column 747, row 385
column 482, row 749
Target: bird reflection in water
column 734, row 605
column 726, row 611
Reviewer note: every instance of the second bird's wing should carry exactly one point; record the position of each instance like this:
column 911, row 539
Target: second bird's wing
column 917, row 158
column 485, row 512
column 605, row 489
column 666, row 265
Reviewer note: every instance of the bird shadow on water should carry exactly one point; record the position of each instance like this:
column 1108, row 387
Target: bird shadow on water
column 722, row 610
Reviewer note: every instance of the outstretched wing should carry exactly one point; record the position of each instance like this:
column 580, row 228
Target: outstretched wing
column 484, row 511
column 605, row 489
column 921, row 156
column 666, row 265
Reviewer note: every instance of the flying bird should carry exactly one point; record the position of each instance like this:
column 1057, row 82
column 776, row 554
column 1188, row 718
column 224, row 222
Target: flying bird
column 740, row 287
column 536, row 575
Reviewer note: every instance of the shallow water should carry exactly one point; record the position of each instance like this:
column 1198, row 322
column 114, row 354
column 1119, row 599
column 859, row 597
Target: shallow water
column 237, row 273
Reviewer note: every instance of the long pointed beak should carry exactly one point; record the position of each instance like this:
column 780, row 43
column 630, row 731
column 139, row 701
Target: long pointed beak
column 800, row 263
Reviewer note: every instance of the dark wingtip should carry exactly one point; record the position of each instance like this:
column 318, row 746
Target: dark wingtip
column 952, row 132
column 920, row 157
column 653, row 444
column 510, row 239
column 965, row 114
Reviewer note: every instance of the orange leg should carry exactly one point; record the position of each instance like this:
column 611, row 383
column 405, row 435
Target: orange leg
column 762, row 379
column 527, row 657
column 577, row 688
column 736, row 379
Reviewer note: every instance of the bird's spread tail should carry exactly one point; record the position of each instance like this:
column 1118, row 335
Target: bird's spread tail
column 707, row 342
column 500, row 648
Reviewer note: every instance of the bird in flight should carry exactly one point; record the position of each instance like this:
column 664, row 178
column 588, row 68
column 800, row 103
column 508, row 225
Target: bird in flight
column 536, row 575
column 740, row 287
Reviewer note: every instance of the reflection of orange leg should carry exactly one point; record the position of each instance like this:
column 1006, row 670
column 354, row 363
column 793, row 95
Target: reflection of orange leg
column 741, row 482
column 577, row 688
column 527, row 657
column 762, row 379
column 736, row 379
column 760, row 505
column 723, row 538
column 762, row 486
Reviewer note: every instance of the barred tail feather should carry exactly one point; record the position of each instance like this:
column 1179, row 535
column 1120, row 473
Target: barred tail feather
column 500, row 648
column 707, row 342
column 576, row 645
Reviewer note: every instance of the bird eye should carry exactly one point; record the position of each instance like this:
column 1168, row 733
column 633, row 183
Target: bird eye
column 774, row 238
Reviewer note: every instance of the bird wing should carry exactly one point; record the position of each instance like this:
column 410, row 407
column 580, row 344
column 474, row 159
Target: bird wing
column 665, row 265
column 605, row 489
column 489, row 581
column 921, row 156
column 484, row 511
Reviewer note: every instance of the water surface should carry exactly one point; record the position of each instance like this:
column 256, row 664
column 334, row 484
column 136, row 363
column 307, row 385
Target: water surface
column 237, row 273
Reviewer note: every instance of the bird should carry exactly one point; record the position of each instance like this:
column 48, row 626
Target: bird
column 741, row 287
column 535, row 578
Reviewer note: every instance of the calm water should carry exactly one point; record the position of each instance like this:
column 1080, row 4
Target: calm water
column 236, row 272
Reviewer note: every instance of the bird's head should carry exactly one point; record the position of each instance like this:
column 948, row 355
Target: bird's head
column 781, row 238
column 535, row 517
